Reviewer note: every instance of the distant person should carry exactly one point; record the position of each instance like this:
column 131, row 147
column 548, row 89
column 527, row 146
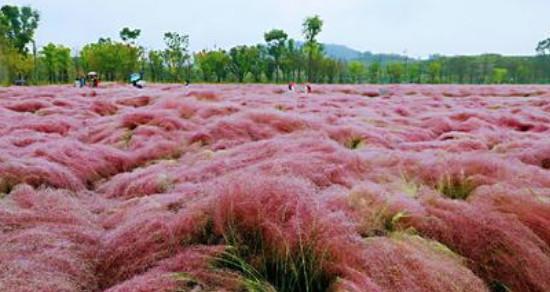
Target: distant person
column 93, row 79
column 77, row 82
column 187, row 83
column 82, row 81
column 135, row 79
column 291, row 86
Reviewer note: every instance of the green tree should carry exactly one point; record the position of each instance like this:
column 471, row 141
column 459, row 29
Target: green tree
column 176, row 54
column 156, row 65
column 356, row 71
column 259, row 63
column 243, row 60
column 311, row 27
column 434, row 71
column 213, row 64
column 19, row 25
column 332, row 70
column 374, row 71
column 58, row 62
column 414, row 72
column 294, row 61
column 499, row 75
column 395, row 72
column 275, row 40
column 543, row 60
column 112, row 60
column 13, row 64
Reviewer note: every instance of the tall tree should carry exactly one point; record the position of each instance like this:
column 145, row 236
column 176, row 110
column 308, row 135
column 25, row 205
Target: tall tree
column 275, row 40
column 58, row 62
column 19, row 25
column 156, row 65
column 395, row 72
column 113, row 60
column 213, row 64
column 434, row 71
column 311, row 27
column 374, row 72
column 356, row 71
column 242, row 60
column 176, row 54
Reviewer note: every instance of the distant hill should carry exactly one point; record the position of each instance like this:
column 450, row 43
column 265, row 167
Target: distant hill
column 342, row 52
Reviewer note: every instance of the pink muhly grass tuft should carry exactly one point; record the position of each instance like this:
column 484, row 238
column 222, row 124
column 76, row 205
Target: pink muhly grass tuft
column 188, row 270
column 103, row 108
column 30, row 106
column 272, row 225
column 48, row 241
column 203, row 95
column 528, row 205
column 410, row 263
column 141, row 182
column 138, row 101
column 37, row 172
column 141, row 239
column 500, row 249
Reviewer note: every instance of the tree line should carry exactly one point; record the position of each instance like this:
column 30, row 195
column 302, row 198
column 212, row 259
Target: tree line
column 277, row 59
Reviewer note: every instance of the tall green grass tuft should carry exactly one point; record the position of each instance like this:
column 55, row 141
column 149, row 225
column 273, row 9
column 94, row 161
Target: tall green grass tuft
column 298, row 269
column 457, row 187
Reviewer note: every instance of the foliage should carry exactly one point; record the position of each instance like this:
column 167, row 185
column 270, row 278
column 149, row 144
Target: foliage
column 311, row 27
column 356, row 71
column 543, row 47
column 19, row 25
column 58, row 62
column 275, row 40
column 499, row 75
column 176, row 54
column 112, row 60
column 243, row 60
column 128, row 35
column 213, row 64
column 395, row 72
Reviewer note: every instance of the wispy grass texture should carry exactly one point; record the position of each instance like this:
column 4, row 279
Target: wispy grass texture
column 255, row 188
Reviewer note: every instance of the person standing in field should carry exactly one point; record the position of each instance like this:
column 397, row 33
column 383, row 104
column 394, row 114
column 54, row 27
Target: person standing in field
column 291, row 86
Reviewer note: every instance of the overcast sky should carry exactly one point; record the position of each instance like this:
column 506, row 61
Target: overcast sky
column 420, row 27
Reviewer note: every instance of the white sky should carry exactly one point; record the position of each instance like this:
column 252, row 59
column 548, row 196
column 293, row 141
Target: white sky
column 421, row 27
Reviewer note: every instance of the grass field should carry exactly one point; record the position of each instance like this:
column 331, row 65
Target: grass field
column 255, row 188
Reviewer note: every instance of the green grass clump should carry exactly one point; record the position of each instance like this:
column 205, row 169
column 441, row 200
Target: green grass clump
column 355, row 143
column 456, row 187
column 385, row 223
column 253, row 280
column 265, row 269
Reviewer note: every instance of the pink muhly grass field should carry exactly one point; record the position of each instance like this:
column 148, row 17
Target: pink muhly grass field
column 253, row 188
